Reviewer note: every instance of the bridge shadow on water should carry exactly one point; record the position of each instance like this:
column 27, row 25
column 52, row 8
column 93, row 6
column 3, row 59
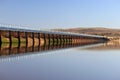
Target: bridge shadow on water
column 14, row 49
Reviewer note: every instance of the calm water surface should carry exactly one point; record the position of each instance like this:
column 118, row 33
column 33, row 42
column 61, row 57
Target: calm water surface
column 91, row 62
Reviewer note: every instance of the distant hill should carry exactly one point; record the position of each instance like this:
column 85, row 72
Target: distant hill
column 94, row 31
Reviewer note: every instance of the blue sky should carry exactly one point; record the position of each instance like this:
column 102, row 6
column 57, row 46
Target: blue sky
column 61, row 13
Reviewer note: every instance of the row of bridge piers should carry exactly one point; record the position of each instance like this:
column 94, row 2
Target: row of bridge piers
column 20, row 41
column 31, row 38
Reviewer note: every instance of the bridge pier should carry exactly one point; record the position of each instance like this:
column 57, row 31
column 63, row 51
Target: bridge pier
column 36, row 41
column 60, row 40
column 71, row 40
column 0, row 39
column 33, row 40
column 26, row 39
column 67, row 41
column 63, row 40
column 18, row 33
column 39, row 40
column 43, row 39
column 10, row 38
column 47, row 39
column 53, row 39
column 57, row 39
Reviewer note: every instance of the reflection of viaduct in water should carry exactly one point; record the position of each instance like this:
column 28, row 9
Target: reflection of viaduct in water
column 17, row 49
column 110, row 45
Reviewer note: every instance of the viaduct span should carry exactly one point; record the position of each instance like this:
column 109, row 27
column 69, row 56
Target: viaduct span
column 41, row 38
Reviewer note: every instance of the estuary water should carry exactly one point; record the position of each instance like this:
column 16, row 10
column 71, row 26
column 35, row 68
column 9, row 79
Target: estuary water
column 99, row 61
